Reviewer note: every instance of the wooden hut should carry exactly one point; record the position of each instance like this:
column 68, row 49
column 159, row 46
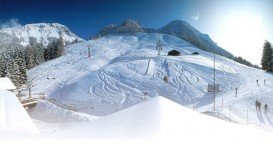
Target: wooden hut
column 174, row 53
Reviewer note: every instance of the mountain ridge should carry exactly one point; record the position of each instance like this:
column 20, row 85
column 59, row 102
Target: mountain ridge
column 43, row 32
column 178, row 28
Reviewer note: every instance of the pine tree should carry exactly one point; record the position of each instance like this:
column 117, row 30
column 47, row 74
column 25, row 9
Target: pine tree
column 3, row 62
column 47, row 54
column 60, row 47
column 40, row 50
column 267, row 56
column 22, row 72
column 30, row 57
column 54, row 49
column 12, row 70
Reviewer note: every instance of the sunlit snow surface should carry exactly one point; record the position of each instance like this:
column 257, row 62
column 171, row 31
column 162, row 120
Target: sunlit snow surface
column 13, row 117
column 157, row 120
column 123, row 68
column 43, row 32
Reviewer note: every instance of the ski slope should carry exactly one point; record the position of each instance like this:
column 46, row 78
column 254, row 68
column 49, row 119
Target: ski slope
column 124, row 70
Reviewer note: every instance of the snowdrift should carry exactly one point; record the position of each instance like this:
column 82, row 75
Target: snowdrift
column 157, row 120
column 13, row 117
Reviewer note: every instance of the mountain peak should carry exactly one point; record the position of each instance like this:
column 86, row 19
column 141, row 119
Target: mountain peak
column 178, row 28
column 43, row 32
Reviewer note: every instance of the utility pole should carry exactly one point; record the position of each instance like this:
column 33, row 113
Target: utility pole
column 247, row 116
column 159, row 47
column 89, row 52
column 214, row 87
column 29, row 91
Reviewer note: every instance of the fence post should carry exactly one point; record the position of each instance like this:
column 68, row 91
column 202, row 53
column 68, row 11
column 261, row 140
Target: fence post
column 247, row 116
column 229, row 112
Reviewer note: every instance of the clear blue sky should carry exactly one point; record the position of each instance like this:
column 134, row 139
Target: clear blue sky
column 223, row 20
column 86, row 17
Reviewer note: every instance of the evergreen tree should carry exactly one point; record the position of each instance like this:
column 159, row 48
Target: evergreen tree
column 12, row 71
column 267, row 56
column 22, row 72
column 2, row 65
column 54, row 49
column 31, row 57
column 47, row 54
column 60, row 47
column 40, row 50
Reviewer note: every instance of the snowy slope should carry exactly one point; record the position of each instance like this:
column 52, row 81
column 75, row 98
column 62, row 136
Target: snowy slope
column 178, row 28
column 14, row 118
column 156, row 121
column 160, row 120
column 42, row 32
column 123, row 68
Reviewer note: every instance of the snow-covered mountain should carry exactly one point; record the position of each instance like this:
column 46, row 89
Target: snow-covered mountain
column 43, row 32
column 185, row 31
column 176, row 28
column 124, row 70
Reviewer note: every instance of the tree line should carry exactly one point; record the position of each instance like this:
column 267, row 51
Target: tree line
column 16, row 59
column 243, row 61
column 267, row 57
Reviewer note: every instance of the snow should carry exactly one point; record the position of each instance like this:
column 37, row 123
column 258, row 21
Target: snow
column 14, row 118
column 42, row 32
column 122, row 68
column 160, row 120
column 5, row 83
column 157, row 120
column 51, row 113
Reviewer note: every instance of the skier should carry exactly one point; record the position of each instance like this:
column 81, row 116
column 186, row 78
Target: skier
column 265, row 108
column 257, row 81
column 264, row 81
column 259, row 105
column 256, row 104
column 236, row 91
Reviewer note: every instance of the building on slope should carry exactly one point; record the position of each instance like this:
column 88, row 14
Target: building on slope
column 174, row 53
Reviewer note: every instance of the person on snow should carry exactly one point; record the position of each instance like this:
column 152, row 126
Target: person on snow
column 257, row 81
column 265, row 108
column 256, row 104
column 259, row 105
column 236, row 91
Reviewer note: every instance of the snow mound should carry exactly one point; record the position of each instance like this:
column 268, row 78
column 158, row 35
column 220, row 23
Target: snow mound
column 49, row 112
column 157, row 120
column 14, row 117
column 160, row 120
column 5, row 83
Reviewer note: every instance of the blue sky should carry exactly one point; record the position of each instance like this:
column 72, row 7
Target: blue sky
column 86, row 17
column 221, row 19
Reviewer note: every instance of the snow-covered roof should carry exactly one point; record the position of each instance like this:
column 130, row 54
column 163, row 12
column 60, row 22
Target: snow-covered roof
column 13, row 117
column 5, row 83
